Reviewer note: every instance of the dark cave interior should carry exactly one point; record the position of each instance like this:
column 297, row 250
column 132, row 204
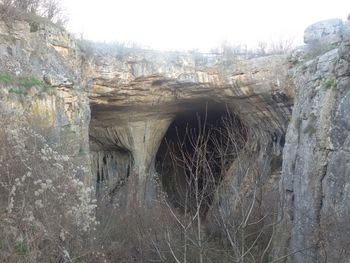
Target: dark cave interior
column 196, row 152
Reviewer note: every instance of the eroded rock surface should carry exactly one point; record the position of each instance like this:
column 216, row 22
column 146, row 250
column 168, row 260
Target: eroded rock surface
column 316, row 170
column 133, row 98
column 327, row 32
column 136, row 98
column 59, row 108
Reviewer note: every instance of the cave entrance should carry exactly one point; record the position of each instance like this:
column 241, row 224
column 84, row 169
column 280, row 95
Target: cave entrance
column 196, row 152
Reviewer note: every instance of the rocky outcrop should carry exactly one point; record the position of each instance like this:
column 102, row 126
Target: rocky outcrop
column 325, row 32
column 315, row 178
column 134, row 97
column 112, row 110
column 134, row 100
column 40, row 76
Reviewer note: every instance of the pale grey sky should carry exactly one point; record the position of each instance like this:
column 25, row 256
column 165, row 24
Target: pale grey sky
column 198, row 24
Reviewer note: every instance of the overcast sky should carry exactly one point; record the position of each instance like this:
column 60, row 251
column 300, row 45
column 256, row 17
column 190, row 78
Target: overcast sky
column 198, row 24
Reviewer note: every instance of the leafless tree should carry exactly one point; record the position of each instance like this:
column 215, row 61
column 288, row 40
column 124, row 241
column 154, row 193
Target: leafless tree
column 262, row 46
column 51, row 9
column 196, row 157
column 281, row 46
column 27, row 5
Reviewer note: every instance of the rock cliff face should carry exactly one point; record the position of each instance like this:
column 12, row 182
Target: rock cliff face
column 118, row 108
column 43, row 63
column 136, row 98
column 316, row 168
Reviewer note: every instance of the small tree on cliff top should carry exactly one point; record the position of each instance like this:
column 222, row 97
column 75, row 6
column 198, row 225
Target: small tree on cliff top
column 50, row 9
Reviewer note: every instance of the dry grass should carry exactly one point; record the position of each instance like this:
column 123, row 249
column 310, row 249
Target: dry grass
column 46, row 213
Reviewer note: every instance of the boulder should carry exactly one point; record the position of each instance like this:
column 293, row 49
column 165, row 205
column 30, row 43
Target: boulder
column 324, row 32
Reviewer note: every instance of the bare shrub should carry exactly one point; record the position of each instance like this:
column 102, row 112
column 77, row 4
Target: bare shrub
column 159, row 233
column 232, row 52
column 243, row 233
column 53, row 10
column 27, row 5
column 262, row 48
column 50, row 9
column 6, row 9
column 118, row 49
column 46, row 212
column 281, row 46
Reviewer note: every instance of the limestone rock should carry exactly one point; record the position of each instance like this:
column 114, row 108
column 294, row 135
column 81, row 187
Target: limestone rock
column 116, row 106
column 327, row 31
column 60, row 110
column 314, row 214
column 141, row 94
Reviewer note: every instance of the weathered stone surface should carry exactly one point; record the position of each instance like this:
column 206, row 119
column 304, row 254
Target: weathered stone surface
column 344, row 49
column 134, row 96
column 328, row 31
column 135, row 99
column 315, row 208
column 62, row 112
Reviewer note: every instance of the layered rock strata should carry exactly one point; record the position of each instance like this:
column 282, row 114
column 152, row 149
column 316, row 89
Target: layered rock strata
column 112, row 109
column 136, row 98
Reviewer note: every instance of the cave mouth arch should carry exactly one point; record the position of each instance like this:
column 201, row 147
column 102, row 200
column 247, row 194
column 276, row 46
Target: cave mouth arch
column 196, row 152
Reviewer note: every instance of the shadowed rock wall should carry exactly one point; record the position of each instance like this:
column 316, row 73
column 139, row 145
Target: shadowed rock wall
column 135, row 99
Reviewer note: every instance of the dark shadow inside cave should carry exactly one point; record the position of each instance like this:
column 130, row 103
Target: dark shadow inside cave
column 196, row 153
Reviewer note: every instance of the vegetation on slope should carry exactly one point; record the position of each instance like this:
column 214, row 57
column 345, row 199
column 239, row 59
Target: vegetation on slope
column 33, row 10
column 22, row 86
